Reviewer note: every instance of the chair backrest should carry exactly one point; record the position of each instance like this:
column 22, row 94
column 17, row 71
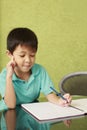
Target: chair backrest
column 74, row 83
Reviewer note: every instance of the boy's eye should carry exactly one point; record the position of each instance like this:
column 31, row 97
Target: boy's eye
column 32, row 55
column 21, row 55
column 24, row 55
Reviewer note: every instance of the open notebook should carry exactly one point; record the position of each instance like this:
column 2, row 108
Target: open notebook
column 46, row 111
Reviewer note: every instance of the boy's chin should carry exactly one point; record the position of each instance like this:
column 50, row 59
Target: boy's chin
column 26, row 70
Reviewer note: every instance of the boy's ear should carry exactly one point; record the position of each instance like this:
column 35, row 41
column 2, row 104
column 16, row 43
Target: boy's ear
column 9, row 54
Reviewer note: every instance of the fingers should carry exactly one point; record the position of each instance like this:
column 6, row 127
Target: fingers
column 13, row 63
column 10, row 67
column 66, row 102
column 68, row 97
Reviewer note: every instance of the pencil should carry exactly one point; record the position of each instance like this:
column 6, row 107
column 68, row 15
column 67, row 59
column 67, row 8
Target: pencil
column 58, row 94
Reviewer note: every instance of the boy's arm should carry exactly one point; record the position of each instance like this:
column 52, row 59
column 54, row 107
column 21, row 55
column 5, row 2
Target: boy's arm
column 59, row 101
column 10, row 97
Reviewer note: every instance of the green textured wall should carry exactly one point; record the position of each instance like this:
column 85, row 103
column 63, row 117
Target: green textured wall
column 61, row 27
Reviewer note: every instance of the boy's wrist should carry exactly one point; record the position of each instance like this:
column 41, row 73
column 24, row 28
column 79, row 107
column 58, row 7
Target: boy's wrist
column 8, row 77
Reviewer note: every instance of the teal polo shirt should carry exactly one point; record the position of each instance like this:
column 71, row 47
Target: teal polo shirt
column 27, row 91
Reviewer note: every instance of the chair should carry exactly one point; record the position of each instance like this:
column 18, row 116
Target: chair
column 74, row 83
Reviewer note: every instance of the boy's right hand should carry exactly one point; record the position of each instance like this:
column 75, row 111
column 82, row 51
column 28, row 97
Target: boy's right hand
column 10, row 67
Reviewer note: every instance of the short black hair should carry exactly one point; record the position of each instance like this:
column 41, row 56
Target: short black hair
column 21, row 36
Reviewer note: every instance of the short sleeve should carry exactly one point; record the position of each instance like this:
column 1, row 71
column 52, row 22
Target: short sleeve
column 46, row 82
column 3, row 106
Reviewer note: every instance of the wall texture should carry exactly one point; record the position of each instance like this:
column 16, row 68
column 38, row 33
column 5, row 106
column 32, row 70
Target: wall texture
column 61, row 27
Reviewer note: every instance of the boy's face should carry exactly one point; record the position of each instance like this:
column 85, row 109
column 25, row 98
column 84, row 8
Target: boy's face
column 24, row 57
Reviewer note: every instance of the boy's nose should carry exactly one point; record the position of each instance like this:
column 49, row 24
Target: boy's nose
column 27, row 59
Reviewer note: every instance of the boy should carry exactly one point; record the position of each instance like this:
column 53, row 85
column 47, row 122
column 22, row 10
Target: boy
column 23, row 80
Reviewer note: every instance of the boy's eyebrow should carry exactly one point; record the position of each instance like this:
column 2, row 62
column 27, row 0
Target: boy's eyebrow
column 22, row 52
column 19, row 52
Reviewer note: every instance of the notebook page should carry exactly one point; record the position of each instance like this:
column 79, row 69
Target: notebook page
column 48, row 111
column 80, row 103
